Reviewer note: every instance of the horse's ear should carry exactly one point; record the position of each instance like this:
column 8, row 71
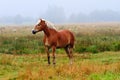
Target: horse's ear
column 43, row 21
column 40, row 19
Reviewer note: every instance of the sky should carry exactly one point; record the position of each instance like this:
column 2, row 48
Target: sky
column 35, row 8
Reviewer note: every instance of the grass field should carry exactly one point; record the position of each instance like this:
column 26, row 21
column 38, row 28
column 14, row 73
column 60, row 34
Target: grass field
column 96, row 54
column 102, row 66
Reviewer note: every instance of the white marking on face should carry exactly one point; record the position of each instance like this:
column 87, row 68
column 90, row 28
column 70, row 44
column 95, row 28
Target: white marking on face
column 38, row 22
column 32, row 29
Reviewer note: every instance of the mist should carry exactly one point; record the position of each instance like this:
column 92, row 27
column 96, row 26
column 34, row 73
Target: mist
column 59, row 11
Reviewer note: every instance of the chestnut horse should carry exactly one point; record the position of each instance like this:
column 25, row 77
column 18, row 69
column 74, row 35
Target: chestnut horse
column 55, row 39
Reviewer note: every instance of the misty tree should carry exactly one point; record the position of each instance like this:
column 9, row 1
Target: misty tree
column 81, row 17
column 55, row 14
column 17, row 19
column 95, row 16
column 104, row 16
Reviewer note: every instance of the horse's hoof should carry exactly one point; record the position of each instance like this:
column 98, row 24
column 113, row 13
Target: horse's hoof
column 54, row 63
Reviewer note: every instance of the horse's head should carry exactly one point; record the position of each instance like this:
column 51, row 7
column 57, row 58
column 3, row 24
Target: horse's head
column 39, row 26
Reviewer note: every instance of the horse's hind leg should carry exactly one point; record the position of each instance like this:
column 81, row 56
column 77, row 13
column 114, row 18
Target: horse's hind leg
column 69, row 53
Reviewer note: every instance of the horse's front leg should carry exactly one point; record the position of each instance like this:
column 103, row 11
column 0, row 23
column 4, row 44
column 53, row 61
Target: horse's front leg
column 48, row 54
column 53, row 53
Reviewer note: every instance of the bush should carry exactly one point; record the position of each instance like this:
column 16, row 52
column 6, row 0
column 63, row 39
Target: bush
column 80, row 49
column 115, row 47
column 103, row 46
column 92, row 48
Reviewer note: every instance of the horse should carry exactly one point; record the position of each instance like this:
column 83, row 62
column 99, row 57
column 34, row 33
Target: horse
column 55, row 39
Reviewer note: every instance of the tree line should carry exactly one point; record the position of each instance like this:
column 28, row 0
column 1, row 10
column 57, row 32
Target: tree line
column 58, row 15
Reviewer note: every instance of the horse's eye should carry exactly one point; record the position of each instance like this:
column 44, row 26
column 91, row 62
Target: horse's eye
column 38, row 24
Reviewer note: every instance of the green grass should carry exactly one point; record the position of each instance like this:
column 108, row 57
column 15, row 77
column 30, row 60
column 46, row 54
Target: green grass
column 106, row 76
column 33, row 44
column 101, row 66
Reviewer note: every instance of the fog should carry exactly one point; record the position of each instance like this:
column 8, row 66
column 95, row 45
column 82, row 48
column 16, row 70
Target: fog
column 59, row 11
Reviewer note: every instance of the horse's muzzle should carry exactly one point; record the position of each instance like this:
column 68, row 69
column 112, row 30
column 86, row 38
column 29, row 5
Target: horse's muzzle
column 34, row 32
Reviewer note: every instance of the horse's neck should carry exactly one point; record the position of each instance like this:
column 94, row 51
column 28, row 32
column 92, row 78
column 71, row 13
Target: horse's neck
column 49, row 31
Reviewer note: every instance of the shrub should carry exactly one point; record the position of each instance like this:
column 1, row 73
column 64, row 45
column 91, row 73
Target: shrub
column 92, row 48
column 115, row 46
column 80, row 49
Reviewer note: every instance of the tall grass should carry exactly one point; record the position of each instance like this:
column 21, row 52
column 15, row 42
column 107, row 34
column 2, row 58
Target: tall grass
column 89, row 38
column 98, row 44
column 27, row 45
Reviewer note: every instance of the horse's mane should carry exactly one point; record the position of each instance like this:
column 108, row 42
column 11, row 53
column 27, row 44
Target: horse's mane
column 50, row 24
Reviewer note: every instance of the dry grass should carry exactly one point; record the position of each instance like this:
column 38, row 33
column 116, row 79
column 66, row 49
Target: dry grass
column 66, row 71
column 34, row 67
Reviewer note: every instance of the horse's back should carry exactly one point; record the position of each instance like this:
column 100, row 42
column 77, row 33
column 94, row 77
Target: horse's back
column 68, row 36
